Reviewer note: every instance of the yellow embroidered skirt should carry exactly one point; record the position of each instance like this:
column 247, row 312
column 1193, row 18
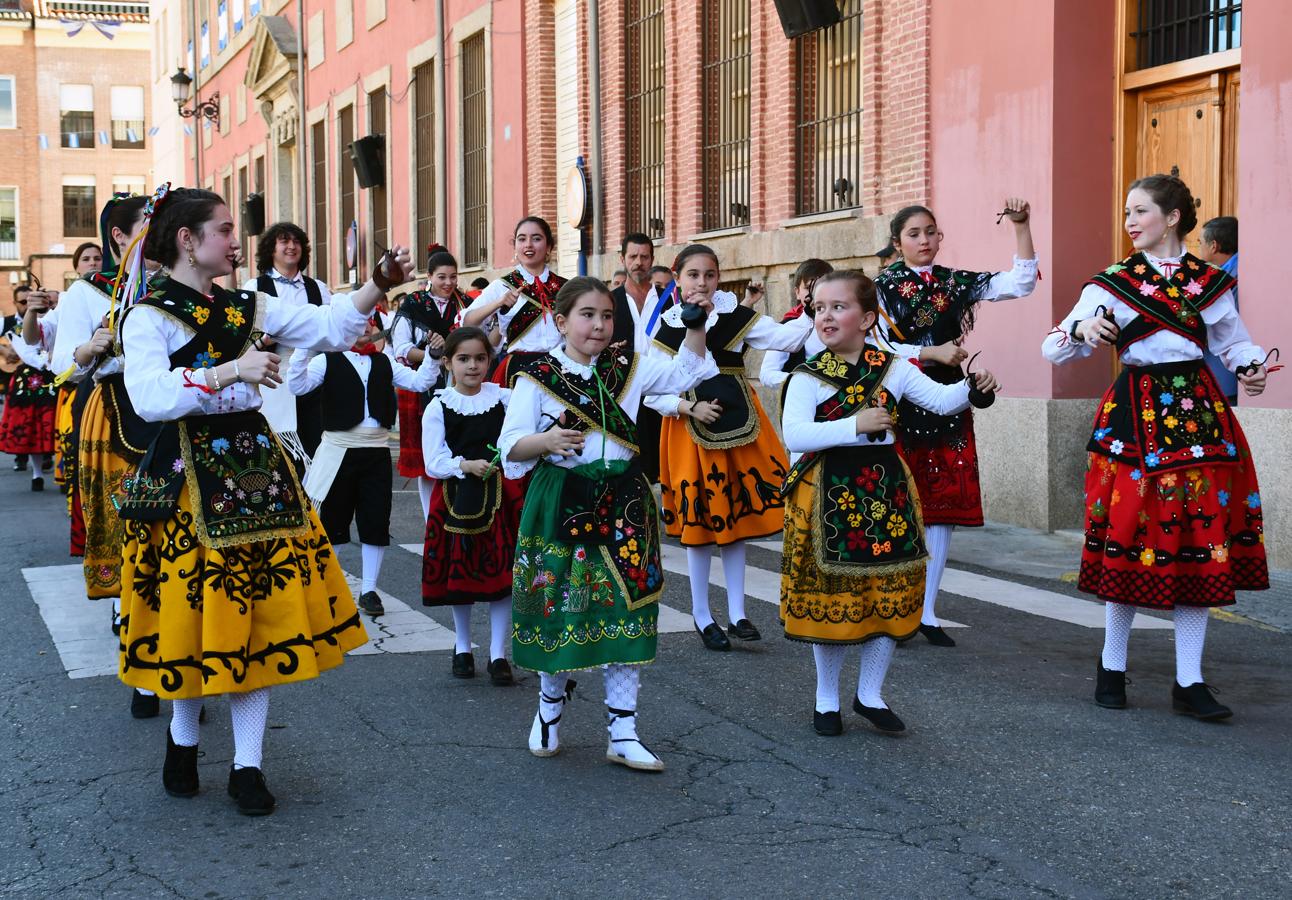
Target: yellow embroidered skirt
column 64, row 422
column 721, row 495
column 100, row 473
column 198, row 621
column 823, row 607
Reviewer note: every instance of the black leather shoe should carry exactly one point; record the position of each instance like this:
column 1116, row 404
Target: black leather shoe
column 179, row 772
column 500, row 673
column 1110, row 687
column 827, row 724
column 247, row 787
column 936, row 636
column 143, row 706
column 884, row 719
column 464, row 665
column 38, row 484
column 1196, row 700
column 20, row 463
column 201, row 715
column 47, row 463
column 371, row 604
column 713, row 637
column 745, row 630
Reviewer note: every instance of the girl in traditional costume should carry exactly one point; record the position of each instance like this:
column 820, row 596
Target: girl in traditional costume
column 520, row 303
column 588, row 577
column 419, row 341
column 778, row 364
column 475, row 508
column 27, row 423
column 926, row 312
column 854, row 562
column 721, row 463
column 229, row 584
column 1173, row 509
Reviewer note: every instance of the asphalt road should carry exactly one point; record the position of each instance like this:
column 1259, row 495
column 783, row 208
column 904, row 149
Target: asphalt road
column 395, row 780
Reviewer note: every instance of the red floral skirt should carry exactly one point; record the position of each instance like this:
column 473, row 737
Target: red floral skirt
column 458, row 569
column 946, row 476
column 28, row 428
column 410, row 463
column 76, row 541
column 1189, row 537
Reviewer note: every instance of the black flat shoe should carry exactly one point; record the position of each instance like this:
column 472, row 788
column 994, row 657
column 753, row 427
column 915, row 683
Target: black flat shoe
column 745, row 630
column 936, row 636
column 1196, row 700
column 1110, row 687
column 20, row 464
column 247, row 787
column 500, row 673
column 713, row 637
column 884, row 719
column 38, row 484
column 371, row 604
column 179, row 772
column 827, row 724
column 116, row 623
column 143, row 706
column 464, row 665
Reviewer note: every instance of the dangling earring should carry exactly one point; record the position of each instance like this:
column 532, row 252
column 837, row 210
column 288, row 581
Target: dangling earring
column 191, row 261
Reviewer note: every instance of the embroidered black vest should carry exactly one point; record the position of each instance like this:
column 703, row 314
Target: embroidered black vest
column 472, row 502
column 625, row 325
column 344, row 392
column 265, row 284
column 589, row 406
column 738, row 424
column 933, row 313
column 542, row 297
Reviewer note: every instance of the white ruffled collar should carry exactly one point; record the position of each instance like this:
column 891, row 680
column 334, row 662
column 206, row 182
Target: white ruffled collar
column 723, row 302
column 490, row 396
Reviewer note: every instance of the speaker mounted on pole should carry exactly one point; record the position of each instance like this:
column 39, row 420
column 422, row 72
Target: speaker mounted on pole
column 800, row 17
column 369, row 155
column 253, row 213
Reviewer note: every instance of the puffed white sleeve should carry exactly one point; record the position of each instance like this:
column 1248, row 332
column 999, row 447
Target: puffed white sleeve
column 1017, row 282
column 1227, row 336
column 416, row 380
column 332, row 326
column 670, row 377
column 305, row 371
column 771, row 373
column 906, row 381
column 663, row 403
column 76, row 327
column 32, row 355
column 1058, row 346
column 401, row 339
column 440, row 461
column 492, row 292
column 524, row 412
column 803, row 434
column 766, row 334
column 161, row 393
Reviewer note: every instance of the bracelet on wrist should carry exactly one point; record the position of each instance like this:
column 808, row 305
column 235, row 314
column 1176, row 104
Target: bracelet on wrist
column 1072, row 332
column 237, row 375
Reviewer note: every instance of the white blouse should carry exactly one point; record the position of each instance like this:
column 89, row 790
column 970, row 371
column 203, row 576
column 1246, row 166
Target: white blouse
column 161, row 393
column 529, row 403
column 770, row 372
column 1017, row 282
column 34, row 355
column 84, row 307
column 903, row 379
column 404, row 339
column 440, row 461
column 306, row 370
column 765, row 334
column 541, row 337
column 1227, row 337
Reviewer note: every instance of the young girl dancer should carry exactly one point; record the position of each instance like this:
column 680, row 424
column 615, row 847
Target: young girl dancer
column 422, row 344
column 1173, row 509
column 520, row 303
column 27, row 423
column 926, row 312
column 778, row 364
column 587, row 578
column 721, row 463
column 475, row 510
column 229, row 584
column 854, row 561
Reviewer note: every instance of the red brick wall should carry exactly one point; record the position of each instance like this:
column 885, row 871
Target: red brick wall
column 540, row 112
column 895, row 91
column 682, row 99
column 772, row 121
column 614, row 159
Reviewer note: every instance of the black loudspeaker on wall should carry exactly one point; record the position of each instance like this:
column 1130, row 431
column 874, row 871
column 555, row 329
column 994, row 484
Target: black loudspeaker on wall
column 253, row 213
column 801, row 16
column 369, row 155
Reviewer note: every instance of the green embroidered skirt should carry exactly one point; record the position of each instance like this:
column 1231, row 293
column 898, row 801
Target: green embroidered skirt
column 587, row 577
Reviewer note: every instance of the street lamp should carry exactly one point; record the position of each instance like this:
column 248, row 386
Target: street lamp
column 181, row 84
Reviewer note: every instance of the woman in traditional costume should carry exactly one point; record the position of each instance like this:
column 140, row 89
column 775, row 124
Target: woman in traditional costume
column 721, row 463
column 588, row 577
column 1173, row 510
column 475, row 509
column 853, row 568
column 27, row 423
column 229, row 585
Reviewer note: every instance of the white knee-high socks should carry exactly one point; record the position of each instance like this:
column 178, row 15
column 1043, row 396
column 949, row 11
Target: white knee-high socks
column 249, row 712
column 462, row 628
column 372, row 556
column 424, row 486
column 937, row 538
column 876, row 654
column 37, row 460
column 1190, row 636
column 733, row 572
column 829, row 663
column 499, row 628
column 1118, row 618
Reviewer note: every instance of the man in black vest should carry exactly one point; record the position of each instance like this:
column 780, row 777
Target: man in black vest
column 636, row 319
column 282, row 256
column 350, row 476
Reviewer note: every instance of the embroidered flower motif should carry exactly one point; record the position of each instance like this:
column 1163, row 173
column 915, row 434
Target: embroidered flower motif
column 1117, row 496
column 940, row 302
column 1197, row 451
column 1152, row 460
column 1170, row 421
column 1199, row 391
column 878, row 509
column 1148, row 289
column 1222, row 497
column 1218, row 406
column 221, row 445
column 263, row 440
column 896, row 525
column 1148, row 415
column 1186, row 404
column 1166, row 398
column 1114, row 269
column 1220, row 554
column 847, row 502
column 908, row 289
column 234, row 316
column 1253, row 500
column 874, row 358
column 857, row 540
column 1230, row 449
column 1116, row 447
column 1173, row 291
column 1140, row 269
column 1193, row 289
column 877, row 548
column 177, row 466
column 1169, row 479
column 1191, row 426
column 868, row 479
column 580, row 554
column 1136, row 475
column 1178, row 381
column 1148, row 557
column 201, row 314
column 855, row 519
column 1109, row 407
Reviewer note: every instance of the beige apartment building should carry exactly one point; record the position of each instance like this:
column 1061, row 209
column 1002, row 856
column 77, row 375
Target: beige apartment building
column 74, row 95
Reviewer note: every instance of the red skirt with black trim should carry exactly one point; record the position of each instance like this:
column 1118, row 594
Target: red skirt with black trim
column 27, row 428
column 1189, row 537
column 946, row 476
column 410, row 463
column 458, row 569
